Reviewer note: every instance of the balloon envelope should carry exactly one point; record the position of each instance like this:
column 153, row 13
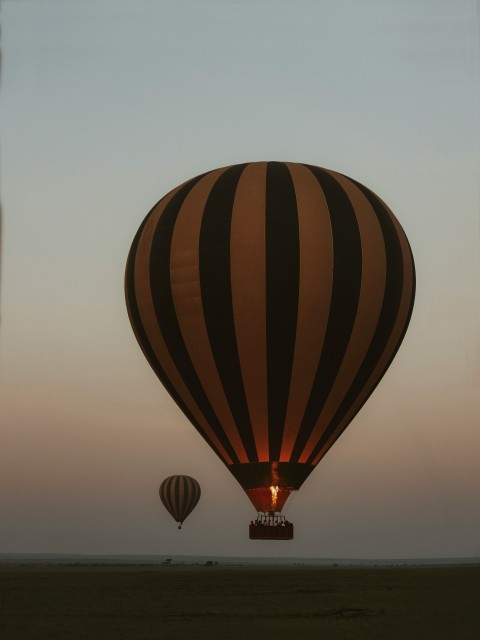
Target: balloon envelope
column 270, row 298
column 179, row 496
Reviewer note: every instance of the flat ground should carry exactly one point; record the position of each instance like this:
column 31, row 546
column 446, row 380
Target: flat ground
column 302, row 603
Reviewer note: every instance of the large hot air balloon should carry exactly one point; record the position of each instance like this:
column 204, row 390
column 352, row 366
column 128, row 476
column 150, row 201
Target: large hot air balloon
column 179, row 496
column 270, row 298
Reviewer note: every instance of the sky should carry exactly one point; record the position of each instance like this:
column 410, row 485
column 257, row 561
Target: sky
column 106, row 106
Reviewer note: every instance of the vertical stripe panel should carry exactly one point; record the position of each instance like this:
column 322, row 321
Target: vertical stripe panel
column 175, row 497
column 347, row 270
column 172, row 379
column 169, row 496
column 247, row 268
column 372, row 290
column 189, row 496
column 187, row 300
column 162, row 297
column 195, row 495
column 135, row 301
column 162, row 492
column 181, row 498
column 315, row 290
column 282, row 282
column 216, row 291
column 392, row 326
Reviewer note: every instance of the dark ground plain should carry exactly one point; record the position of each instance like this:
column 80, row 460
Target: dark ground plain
column 200, row 602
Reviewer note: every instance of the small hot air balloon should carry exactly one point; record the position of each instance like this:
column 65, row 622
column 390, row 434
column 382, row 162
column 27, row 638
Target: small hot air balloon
column 180, row 496
column 270, row 298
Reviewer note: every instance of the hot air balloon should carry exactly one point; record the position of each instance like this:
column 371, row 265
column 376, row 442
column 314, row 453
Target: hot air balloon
column 179, row 496
column 270, row 298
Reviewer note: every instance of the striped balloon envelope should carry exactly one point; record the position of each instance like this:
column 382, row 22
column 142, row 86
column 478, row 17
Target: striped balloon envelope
column 179, row 496
column 270, row 298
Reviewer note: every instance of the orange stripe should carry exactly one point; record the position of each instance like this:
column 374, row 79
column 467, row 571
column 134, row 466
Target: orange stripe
column 247, row 265
column 391, row 344
column 152, row 329
column 194, row 489
column 315, row 289
column 372, row 291
column 166, row 496
column 171, row 498
column 186, row 293
column 189, row 492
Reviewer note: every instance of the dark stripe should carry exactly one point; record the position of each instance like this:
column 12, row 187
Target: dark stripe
column 189, row 502
column 176, row 498
column 414, row 291
column 215, row 282
column 394, row 285
column 347, row 274
column 142, row 337
column 171, row 496
column 165, row 495
column 135, row 318
column 189, row 495
column 196, row 493
column 193, row 495
column 282, row 251
column 161, row 289
column 186, row 495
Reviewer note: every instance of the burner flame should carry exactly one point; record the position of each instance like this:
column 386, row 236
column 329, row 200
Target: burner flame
column 274, row 491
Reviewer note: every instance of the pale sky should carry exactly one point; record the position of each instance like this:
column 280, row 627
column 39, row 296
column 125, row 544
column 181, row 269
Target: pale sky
column 106, row 106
